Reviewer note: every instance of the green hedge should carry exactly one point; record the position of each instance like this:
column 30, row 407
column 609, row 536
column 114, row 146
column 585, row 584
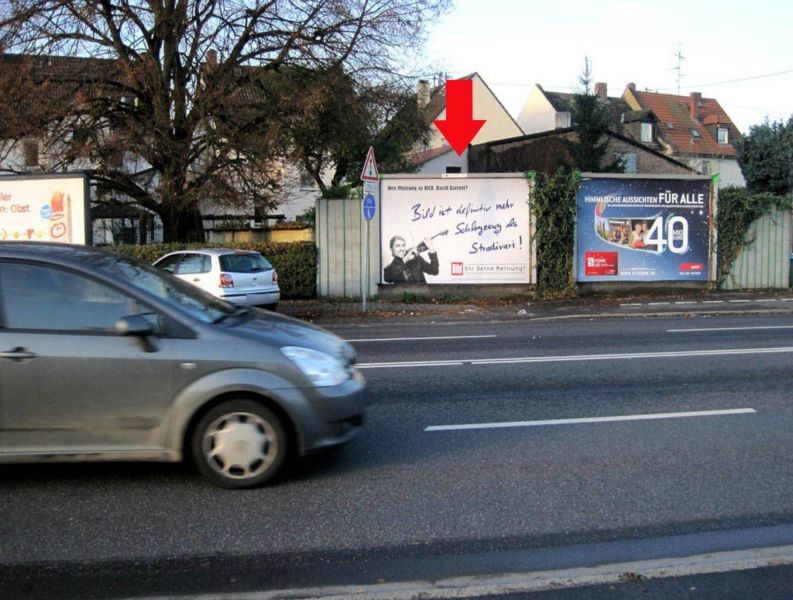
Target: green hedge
column 554, row 208
column 296, row 262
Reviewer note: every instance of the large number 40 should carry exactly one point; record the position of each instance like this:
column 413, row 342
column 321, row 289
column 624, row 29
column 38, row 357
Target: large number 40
column 676, row 235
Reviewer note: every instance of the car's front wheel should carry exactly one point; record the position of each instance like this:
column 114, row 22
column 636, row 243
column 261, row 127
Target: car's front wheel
column 239, row 444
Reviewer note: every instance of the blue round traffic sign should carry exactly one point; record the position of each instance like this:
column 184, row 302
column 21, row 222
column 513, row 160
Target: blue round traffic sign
column 369, row 207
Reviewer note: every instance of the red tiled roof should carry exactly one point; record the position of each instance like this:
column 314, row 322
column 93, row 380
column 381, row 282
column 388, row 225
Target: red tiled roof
column 675, row 124
column 419, row 158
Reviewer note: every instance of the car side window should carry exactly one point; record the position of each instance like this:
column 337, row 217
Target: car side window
column 39, row 297
column 193, row 264
column 169, row 263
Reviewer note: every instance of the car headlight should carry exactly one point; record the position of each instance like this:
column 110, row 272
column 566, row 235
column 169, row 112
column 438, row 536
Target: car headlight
column 322, row 369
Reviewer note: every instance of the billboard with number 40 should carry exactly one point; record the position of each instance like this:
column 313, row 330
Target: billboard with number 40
column 643, row 229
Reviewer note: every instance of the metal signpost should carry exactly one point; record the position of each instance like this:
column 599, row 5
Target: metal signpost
column 371, row 180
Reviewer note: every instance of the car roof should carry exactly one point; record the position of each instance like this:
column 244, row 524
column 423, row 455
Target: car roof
column 51, row 250
column 213, row 251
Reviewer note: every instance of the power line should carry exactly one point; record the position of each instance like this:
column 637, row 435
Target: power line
column 777, row 74
column 751, row 78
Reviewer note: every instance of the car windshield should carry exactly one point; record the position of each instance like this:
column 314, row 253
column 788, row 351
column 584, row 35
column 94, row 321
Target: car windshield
column 244, row 262
column 160, row 284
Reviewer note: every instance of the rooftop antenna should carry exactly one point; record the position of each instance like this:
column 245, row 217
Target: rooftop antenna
column 679, row 68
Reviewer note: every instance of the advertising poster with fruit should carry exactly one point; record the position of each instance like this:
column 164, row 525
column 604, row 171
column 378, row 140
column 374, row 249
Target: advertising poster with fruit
column 44, row 209
column 460, row 229
column 643, row 229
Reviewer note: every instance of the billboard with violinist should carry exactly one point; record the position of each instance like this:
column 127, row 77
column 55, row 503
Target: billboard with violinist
column 457, row 229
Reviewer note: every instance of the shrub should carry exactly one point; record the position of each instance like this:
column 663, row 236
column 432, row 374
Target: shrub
column 296, row 262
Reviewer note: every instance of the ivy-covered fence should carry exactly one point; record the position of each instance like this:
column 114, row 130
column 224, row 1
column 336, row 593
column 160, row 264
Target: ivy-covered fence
column 738, row 210
column 295, row 262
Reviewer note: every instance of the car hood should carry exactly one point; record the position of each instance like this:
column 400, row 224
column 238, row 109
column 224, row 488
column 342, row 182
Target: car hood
column 280, row 330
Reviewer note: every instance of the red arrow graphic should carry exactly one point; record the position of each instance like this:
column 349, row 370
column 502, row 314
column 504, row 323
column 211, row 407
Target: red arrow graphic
column 459, row 127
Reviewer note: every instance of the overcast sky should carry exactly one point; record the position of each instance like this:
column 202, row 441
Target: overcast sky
column 738, row 52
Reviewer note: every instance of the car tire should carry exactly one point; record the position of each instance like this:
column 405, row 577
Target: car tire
column 239, row 444
column 272, row 306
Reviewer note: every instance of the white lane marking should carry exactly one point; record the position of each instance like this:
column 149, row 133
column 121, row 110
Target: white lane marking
column 685, row 302
column 574, row 358
column 405, row 339
column 729, row 328
column 510, row 583
column 632, row 304
column 657, row 303
column 713, row 302
column 765, row 300
column 739, row 301
column 578, row 421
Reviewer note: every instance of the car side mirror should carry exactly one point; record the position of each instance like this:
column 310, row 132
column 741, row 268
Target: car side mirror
column 137, row 326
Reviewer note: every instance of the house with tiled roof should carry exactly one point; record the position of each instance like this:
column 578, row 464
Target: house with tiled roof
column 545, row 151
column 547, row 111
column 436, row 156
column 693, row 129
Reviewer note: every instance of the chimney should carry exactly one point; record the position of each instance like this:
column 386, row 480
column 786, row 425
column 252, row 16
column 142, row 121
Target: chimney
column 601, row 91
column 423, row 93
column 632, row 86
column 696, row 99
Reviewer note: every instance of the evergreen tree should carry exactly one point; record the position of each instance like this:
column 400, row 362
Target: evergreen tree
column 589, row 152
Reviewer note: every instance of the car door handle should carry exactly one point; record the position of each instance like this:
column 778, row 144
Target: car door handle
column 196, row 280
column 17, row 354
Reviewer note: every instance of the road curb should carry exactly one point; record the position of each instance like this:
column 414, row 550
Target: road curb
column 533, row 582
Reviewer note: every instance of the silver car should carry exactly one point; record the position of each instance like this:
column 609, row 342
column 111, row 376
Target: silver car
column 237, row 276
column 103, row 357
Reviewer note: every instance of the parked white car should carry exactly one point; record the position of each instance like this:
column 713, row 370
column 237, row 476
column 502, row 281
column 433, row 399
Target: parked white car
column 237, row 276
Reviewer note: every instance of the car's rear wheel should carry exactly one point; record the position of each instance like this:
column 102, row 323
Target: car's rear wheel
column 239, row 444
column 272, row 306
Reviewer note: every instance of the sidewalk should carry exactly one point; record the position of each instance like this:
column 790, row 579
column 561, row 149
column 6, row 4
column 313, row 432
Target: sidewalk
column 695, row 302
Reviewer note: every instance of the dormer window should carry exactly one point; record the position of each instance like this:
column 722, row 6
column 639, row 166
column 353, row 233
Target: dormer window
column 647, row 132
column 694, row 133
column 724, row 137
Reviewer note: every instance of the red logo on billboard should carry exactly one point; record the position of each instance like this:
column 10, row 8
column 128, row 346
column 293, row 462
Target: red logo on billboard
column 600, row 263
column 457, row 268
column 691, row 267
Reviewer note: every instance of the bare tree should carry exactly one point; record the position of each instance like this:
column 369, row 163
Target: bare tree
column 173, row 102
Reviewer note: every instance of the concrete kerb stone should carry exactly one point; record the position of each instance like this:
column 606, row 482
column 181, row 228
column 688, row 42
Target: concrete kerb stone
column 713, row 304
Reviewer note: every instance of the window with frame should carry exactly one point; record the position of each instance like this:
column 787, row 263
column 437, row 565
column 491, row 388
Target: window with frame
column 194, row 264
column 647, row 132
column 169, row 263
column 724, row 135
column 40, row 297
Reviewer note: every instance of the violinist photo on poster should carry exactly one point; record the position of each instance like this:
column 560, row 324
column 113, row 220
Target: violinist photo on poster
column 643, row 229
column 463, row 229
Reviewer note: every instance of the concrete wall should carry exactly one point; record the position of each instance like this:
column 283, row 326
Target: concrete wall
column 449, row 159
column 279, row 236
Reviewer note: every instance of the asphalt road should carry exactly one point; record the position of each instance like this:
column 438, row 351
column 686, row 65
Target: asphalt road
column 614, row 440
